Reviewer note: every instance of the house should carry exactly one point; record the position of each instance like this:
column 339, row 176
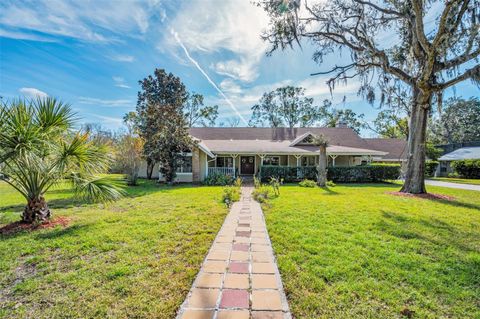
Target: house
column 242, row 151
column 464, row 153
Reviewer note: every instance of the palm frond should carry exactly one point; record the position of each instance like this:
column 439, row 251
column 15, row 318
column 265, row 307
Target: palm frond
column 97, row 189
column 52, row 114
column 82, row 155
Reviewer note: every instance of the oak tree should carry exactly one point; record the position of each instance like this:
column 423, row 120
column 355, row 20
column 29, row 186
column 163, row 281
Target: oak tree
column 389, row 40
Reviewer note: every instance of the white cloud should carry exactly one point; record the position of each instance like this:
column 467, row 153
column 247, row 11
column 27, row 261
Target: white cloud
column 245, row 98
column 33, row 92
column 234, row 26
column 123, row 58
column 109, row 120
column 120, row 82
column 106, row 103
column 24, row 36
column 230, row 86
column 195, row 63
column 96, row 22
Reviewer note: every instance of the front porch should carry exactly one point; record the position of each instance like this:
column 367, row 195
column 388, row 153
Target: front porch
column 251, row 164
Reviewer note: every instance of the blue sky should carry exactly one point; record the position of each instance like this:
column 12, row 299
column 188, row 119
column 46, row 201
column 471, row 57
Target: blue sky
column 92, row 54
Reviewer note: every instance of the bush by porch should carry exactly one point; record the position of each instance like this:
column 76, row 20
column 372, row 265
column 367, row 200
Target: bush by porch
column 363, row 174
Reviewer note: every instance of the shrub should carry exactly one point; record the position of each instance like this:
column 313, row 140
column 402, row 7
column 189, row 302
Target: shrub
column 275, row 183
column 287, row 173
column 369, row 173
column 256, row 182
column 217, row 179
column 230, row 195
column 331, row 184
column 262, row 194
column 430, row 167
column 307, row 183
column 238, row 182
column 467, row 168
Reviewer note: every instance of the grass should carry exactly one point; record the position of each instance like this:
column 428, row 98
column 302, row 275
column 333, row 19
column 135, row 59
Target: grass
column 135, row 258
column 353, row 251
column 457, row 180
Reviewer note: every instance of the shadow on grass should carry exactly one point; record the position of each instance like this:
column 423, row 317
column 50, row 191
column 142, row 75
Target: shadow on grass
column 329, row 191
column 457, row 203
column 52, row 204
column 432, row 230
column 62, row 232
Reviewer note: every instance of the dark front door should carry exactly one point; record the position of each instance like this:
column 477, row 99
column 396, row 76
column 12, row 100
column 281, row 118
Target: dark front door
column 247, row 165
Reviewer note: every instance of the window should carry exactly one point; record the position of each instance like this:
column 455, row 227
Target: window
column 271, row 160
column 224, row 162
column 185, row 165
column 308, row 160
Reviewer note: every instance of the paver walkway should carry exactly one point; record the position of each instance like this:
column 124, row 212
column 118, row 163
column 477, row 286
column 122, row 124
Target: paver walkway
column 239, row 278
column 453, row 185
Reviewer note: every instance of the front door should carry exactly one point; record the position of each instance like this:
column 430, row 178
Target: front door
column 247, row 165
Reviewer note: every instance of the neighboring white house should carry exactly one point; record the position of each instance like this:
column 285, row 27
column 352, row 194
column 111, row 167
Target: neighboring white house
column 243, row 150
column 464, row 153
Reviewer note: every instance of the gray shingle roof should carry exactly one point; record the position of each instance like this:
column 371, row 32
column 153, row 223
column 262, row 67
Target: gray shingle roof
column 336, row 135
column 278, row 140
column 395, row 147
column 462, row 154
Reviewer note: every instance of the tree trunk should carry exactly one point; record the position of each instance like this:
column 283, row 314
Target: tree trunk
column 415, row 174
column 150, row 166
column 322, row 167
column 36, row 210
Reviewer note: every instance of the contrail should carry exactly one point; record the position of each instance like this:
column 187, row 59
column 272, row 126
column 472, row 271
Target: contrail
column 208, row 78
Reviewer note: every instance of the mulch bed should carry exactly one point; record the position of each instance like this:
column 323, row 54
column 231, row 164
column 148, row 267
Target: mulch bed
column 430, row 196
column 19, row 226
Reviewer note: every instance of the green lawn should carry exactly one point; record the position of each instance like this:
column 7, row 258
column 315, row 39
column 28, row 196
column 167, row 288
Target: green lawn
column 135, row 258
column 457, row 180
column 356, row 252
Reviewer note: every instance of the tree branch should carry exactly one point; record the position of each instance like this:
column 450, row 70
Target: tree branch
column 383, row 10
column 473, row 72
column 419, row 30
column 460, row 60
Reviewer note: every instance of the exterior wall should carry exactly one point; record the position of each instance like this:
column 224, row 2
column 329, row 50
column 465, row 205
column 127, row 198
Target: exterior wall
column 343, row 160
column 142, row 172
column 203, row 165
column 196, row 165
column 443, row 169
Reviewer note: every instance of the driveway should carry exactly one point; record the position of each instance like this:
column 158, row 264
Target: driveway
column 453, row 185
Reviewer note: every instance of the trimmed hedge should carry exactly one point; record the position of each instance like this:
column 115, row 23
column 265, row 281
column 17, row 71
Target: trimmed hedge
column 430, row 168
column 352, row 174
column 467, row 168
column 363, row 174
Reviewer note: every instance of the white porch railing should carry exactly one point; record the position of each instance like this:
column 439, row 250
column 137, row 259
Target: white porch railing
column 221, row 170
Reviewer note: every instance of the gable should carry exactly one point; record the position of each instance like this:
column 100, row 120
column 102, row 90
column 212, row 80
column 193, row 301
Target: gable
column 304, row 139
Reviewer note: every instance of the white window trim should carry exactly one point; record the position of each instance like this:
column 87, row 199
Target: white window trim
column 271, row 156
column 180, row 168
column 307, row 158
column 224, row 157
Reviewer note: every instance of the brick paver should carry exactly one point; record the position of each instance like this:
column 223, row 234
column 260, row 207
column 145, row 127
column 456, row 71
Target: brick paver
column 239, row 277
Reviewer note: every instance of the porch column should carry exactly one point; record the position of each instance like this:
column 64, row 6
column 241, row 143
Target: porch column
column 234, row 156
column 262, row 156
column 298, row 157
column 333, row 159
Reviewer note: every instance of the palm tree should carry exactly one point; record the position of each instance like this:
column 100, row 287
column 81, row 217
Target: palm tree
column 322, row 142
column 39, row 149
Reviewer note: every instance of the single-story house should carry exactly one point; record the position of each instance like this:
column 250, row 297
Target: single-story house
column 464, row 153
column 242, row 151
